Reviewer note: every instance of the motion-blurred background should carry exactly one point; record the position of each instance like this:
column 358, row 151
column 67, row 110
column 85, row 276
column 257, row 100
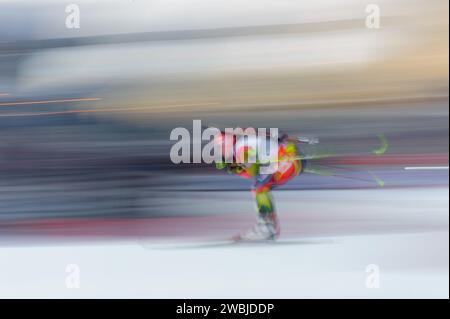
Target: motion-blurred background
column 86, row 113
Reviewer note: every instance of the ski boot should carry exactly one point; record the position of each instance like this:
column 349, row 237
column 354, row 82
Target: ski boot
column 266, row 229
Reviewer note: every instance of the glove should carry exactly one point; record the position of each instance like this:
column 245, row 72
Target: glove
column 221, row 165
column 235, row 168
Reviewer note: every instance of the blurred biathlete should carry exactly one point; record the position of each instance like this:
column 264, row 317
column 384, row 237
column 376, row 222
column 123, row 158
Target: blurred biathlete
column 284, row 165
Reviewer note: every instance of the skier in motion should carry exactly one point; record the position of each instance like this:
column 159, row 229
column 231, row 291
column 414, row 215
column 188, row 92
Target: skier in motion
column 282, row 166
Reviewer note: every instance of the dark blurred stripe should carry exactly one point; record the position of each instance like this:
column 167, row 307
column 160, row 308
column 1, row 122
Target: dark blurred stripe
column 263, row 30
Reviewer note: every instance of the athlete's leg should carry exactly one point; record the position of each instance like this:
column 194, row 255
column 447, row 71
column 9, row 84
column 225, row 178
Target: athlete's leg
column 267, row 226
column 267, row 221
column 265, row 205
